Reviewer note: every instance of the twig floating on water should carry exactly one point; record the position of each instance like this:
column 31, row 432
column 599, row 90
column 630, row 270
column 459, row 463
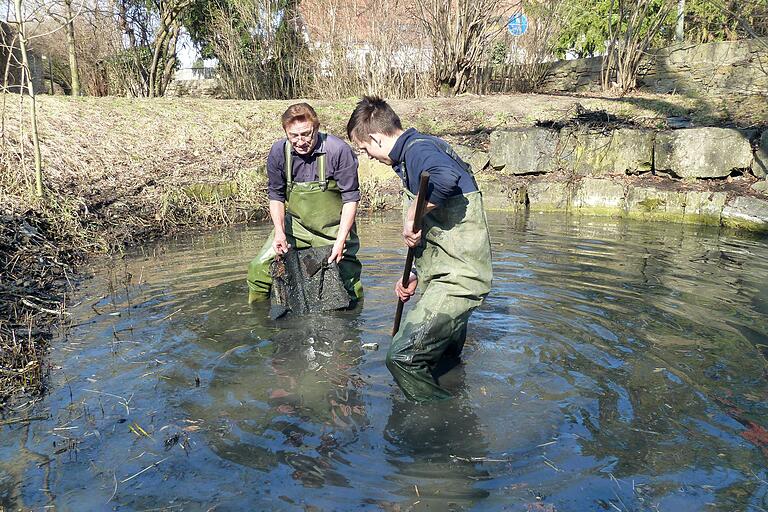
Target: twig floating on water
column 645, row 431
column 13, row 421
column 136, row 429
column 228, row 352
column 154, row 465
column 120, row 399
column 169, row 316
column 478, row 459
column 105, row 393
column 550, row 464
column 114, row 493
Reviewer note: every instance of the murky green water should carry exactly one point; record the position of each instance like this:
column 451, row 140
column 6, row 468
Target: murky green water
column 615, row 366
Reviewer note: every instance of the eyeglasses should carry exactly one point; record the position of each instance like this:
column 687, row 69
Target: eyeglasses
column 295, row 137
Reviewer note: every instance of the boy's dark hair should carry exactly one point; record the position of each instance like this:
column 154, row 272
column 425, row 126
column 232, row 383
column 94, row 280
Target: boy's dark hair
column 372, row 115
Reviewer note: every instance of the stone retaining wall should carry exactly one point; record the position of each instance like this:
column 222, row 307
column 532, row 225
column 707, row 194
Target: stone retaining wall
column 708, row 152
column 673, row 175
column 604, row 196
column 590, row 171
column 728, row 67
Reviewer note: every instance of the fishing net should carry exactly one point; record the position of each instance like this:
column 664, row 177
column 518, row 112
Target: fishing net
column 304, row 282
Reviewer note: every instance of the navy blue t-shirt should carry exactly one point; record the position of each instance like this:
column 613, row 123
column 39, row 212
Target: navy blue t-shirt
column 340, row 165
column 420, row 152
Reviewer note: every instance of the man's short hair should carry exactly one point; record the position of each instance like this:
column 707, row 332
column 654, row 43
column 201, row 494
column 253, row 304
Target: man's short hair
column 300, row 112
column 372, row 115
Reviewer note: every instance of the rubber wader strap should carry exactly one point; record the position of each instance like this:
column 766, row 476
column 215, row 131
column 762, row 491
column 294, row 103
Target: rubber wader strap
column 321, row 171
column 288, row 165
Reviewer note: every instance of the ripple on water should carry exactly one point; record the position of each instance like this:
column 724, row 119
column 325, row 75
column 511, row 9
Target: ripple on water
column 615, row 365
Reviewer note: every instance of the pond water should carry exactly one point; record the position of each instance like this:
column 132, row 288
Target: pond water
column 615, row 366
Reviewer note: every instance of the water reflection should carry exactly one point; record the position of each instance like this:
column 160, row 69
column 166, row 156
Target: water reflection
column 615, row 365
column 641, row 355
column 436, row 450
column 289, row 395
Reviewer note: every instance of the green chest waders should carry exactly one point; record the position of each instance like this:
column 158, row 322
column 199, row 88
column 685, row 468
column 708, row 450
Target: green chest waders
column 454, row 269
column 313, row 213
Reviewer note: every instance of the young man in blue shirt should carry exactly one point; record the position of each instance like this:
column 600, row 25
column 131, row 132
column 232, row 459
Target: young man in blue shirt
column 453, row 251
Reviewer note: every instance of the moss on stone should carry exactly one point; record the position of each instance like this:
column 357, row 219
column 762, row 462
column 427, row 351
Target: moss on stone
column 744, row 224
column 651, row 204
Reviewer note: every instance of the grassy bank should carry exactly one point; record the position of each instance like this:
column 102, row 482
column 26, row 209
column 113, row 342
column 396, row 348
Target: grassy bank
column 122, row 171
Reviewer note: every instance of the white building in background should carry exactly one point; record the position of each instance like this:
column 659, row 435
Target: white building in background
column 355, row 26
column 196, row 73
column 188, row 58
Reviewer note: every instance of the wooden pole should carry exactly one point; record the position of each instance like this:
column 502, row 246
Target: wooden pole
column 421, row 202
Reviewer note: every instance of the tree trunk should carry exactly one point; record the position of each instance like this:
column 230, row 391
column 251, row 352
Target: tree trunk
column 159, row 48
column 163, row 48
column 122, row 16
column 170, row 62
column 31, row 90
column 71, row 50
column 6, row 75
column 680, row 25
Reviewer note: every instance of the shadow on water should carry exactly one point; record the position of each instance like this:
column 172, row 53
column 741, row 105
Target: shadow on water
column 292, row 397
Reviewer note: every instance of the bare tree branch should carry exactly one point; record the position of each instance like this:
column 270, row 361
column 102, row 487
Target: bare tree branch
column 461, row 32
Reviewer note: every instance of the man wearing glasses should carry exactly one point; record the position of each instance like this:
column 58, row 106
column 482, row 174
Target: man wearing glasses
column 313, row 194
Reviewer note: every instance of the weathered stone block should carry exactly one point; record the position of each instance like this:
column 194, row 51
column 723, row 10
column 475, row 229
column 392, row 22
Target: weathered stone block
column 651, row 203
column 761, row 186
column 549, row 196
column 599, row 194
column 614, row 152
column 702, row 152
column 476, row 158
column 760, row 165
column 746, row 212
column 704, row 207
column 524, row 150
column 498, row 196
column 573, row 75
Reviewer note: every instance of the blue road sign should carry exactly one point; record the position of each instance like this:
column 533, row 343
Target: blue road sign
column 518, row 24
